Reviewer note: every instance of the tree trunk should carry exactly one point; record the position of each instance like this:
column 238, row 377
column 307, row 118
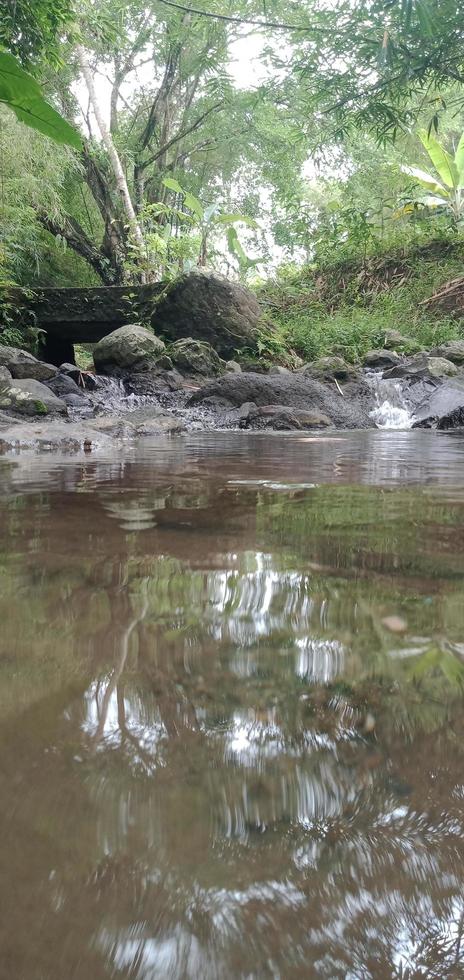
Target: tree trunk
column 107, row 140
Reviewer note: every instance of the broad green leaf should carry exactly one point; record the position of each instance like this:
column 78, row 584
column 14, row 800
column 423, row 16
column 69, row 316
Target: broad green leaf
column 21, row 93
column 190, row 200
column 211, row 210
column 459, row 161
column 230, row 219
column 426, row 180
column 442, row 161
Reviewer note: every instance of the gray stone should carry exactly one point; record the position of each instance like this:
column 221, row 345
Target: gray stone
column 162, row 424
column 63, row 385
column 21, row 364
column 394, row 340
column 5, row 375
column 206, row 306
column 329, row 368
column 30, row 397
column 422, row 366
column 130, row 348
column 84, row 379
column 284, row 418
column 233, row 367
column 294, row 390
column 452, row 350
column 195, row 357
column 279, row 369
column 440, row 403
column 381, row 359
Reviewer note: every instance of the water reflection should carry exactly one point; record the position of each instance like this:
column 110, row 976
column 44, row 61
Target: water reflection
column 231, row 736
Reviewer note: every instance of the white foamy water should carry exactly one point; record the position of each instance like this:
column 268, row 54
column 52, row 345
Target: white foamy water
column 391, row 410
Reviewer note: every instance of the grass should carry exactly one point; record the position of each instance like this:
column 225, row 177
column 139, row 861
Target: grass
column 346, row 308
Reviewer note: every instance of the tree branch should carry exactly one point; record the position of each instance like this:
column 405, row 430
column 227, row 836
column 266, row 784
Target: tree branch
column 77, row 239
column 276, row 25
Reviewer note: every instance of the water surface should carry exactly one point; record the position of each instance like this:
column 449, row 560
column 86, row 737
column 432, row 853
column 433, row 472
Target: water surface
column 231, row 725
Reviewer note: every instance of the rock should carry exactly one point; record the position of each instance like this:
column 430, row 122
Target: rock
column 381, row 359
column 422, row 366
column 195, row 357
column 63, row 385
column 454, row 419
column 395, row 341
column 440, row 403
column 452, row 350
column 77, row 401
column 84, row 379
column 162, row 424
column 328, row 368
column 233, row 367
column 130, row 348
column 278, row 369
column 206, row 306
column 284, row 418
column 5, row 375
column 21, row 364
column 30, row 397
column 294, row 391
column 155, row 382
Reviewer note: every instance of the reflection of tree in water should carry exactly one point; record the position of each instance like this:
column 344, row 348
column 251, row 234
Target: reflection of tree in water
column 229, row 809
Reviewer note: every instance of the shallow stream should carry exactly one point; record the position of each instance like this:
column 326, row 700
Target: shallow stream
column 231, row 709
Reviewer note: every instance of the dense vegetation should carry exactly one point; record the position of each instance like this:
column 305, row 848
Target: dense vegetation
column 313, row 151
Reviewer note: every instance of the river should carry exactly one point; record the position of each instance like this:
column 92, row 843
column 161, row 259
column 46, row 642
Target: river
column 231, row 725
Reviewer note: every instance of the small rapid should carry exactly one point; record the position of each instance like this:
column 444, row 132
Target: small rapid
column 391, row 410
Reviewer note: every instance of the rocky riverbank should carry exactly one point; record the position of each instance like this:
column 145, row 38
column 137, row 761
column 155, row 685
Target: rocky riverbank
column 141, row 387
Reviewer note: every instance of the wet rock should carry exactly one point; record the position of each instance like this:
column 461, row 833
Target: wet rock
column 63, row 385
column 78, row 401
column 452, row 350
column 195, row 358
column 439, row 404
column 30, row 397
column 209, row 307
column 130, row 348
column 328, row 368
column 83, row 379
column 283, row 418
column 21, row 364
column 5, row 375
column 422, row 366
column 162, row 424
column 154, row 383
column 233, row 367
column 454, row 420
column 381, row 359
column 294, row 390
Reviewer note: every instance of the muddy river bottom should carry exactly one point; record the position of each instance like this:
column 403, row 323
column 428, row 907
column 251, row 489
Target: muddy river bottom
column 231, row 709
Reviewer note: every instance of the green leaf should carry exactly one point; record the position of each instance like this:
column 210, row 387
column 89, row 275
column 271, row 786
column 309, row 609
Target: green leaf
column 190, row 200
column 21, row 93
column 459, row 160
column 426, row 180
column 229, row 219
column 442, row 161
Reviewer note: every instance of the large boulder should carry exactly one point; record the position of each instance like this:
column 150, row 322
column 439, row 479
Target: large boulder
column 29, row 397
column 127, row 349
column 381, row 359
column 195, row 357
column 440, row 403
column 293, row 390
column 21, row 364
column 453, row 350
column 207, row 306
column 422, row 366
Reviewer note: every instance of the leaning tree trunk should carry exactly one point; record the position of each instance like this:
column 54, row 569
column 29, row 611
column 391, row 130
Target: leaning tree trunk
column 113, row 155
